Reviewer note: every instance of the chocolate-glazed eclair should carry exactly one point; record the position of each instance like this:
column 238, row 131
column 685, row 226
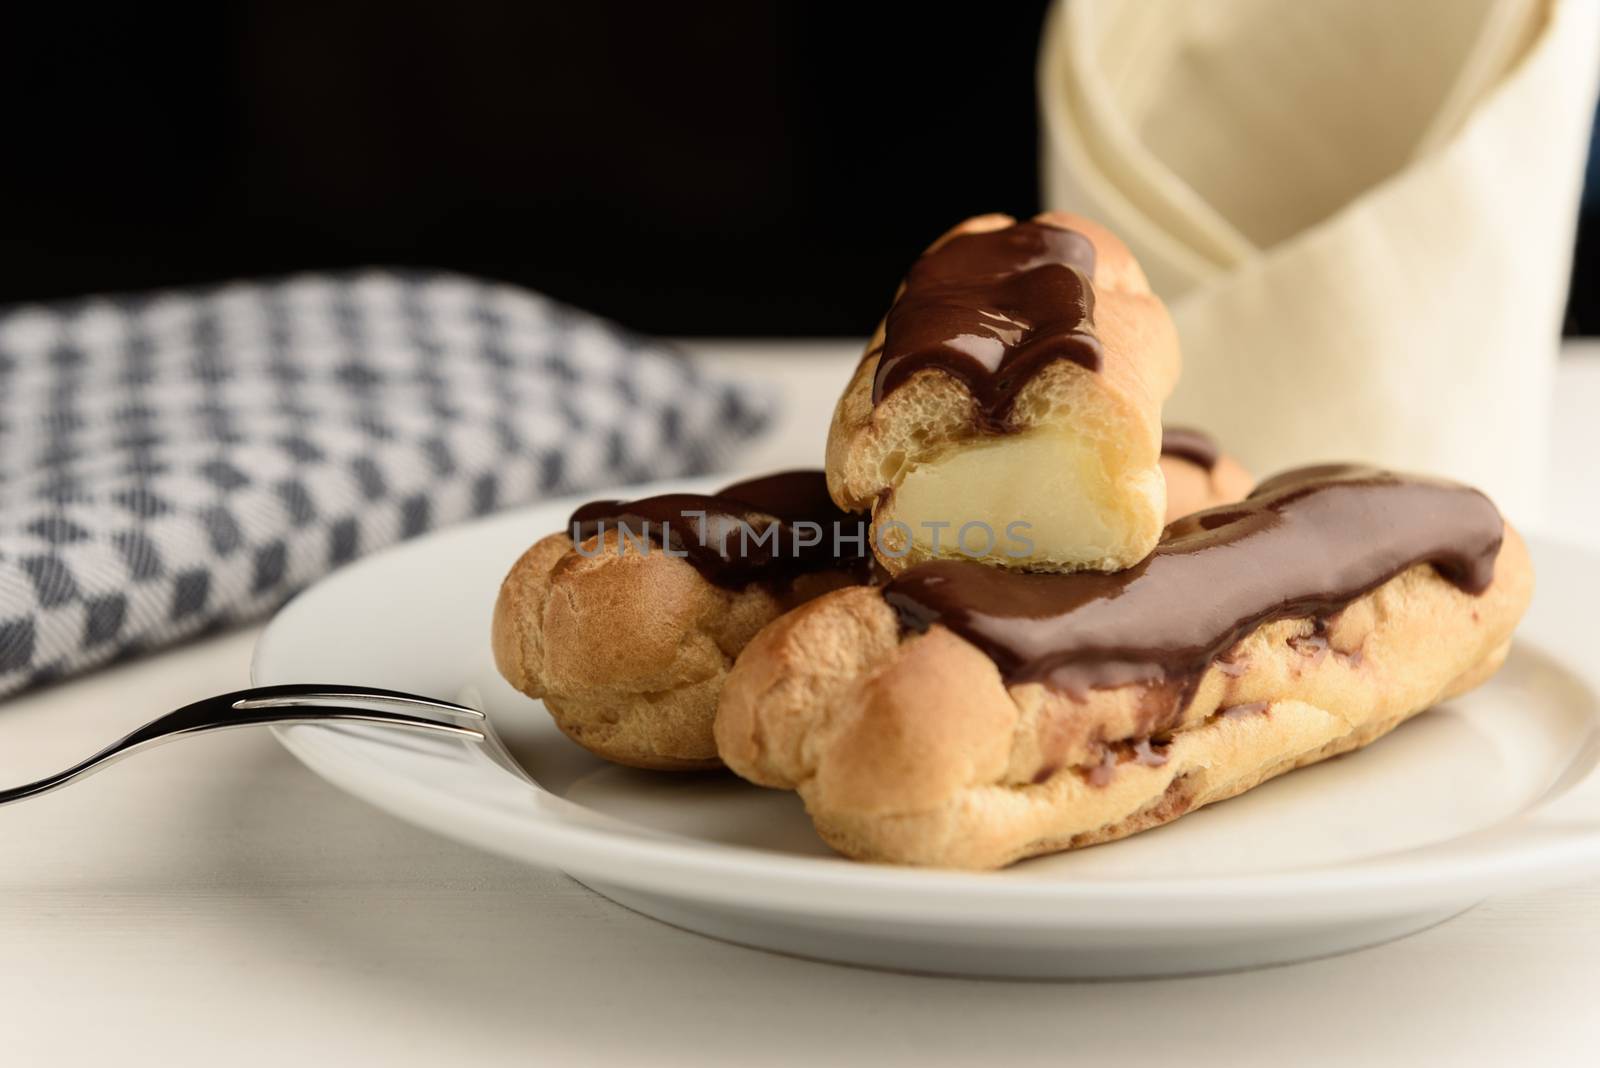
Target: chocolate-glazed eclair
column 965, row 716
column 626, row 624
column 1010, row 401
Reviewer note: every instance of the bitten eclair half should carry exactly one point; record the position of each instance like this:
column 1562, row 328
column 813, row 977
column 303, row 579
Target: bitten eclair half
column 1009, row 405
column 968, row 717
column 626, row 624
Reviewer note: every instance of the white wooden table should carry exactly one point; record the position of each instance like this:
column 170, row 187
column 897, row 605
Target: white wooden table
column 215, row 903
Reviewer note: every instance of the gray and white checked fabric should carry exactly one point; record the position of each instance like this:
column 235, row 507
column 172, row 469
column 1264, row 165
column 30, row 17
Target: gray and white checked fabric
column 173, row 462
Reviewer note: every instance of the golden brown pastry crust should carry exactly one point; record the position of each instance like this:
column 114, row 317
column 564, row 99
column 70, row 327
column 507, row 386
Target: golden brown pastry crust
column 1116, row 410
column 1193, row 488
column 910, row 749
column 629, row 650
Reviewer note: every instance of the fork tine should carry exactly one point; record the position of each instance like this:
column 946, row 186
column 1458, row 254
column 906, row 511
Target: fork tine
column 347, row 696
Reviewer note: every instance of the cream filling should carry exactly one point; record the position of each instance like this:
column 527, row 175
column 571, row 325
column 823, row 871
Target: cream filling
column 1023, row 500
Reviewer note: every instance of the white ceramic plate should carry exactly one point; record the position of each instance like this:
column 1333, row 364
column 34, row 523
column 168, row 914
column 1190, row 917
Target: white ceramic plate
column 1493, row 793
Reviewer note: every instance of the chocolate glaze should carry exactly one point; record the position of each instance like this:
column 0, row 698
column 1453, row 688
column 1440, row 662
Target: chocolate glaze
column 1313, row 645
column 1187, row 443
column 1146, row 751
column 993, row 309
column 1305, row 543
column 1319, row 643
column 1231, row 667
column 715, row 545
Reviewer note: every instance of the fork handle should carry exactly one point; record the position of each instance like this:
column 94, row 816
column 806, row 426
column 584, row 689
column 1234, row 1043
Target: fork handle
column 265, row 705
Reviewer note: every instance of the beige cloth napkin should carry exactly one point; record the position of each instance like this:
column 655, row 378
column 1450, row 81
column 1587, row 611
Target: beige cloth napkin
column 1360, row 211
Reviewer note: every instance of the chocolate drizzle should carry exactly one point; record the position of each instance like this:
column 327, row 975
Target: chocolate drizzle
column 728, row 537
column 993, row 309
column 1187, row 443
column 1146, row 751
column 1305, row 543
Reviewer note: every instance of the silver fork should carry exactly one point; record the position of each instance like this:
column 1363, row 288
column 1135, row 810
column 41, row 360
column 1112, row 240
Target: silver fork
column 274, row 705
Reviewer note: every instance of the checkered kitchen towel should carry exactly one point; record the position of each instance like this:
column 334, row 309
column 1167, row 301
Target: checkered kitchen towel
column 177, row 461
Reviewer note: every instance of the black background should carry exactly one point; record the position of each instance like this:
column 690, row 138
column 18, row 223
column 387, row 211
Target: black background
column 714, row 168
